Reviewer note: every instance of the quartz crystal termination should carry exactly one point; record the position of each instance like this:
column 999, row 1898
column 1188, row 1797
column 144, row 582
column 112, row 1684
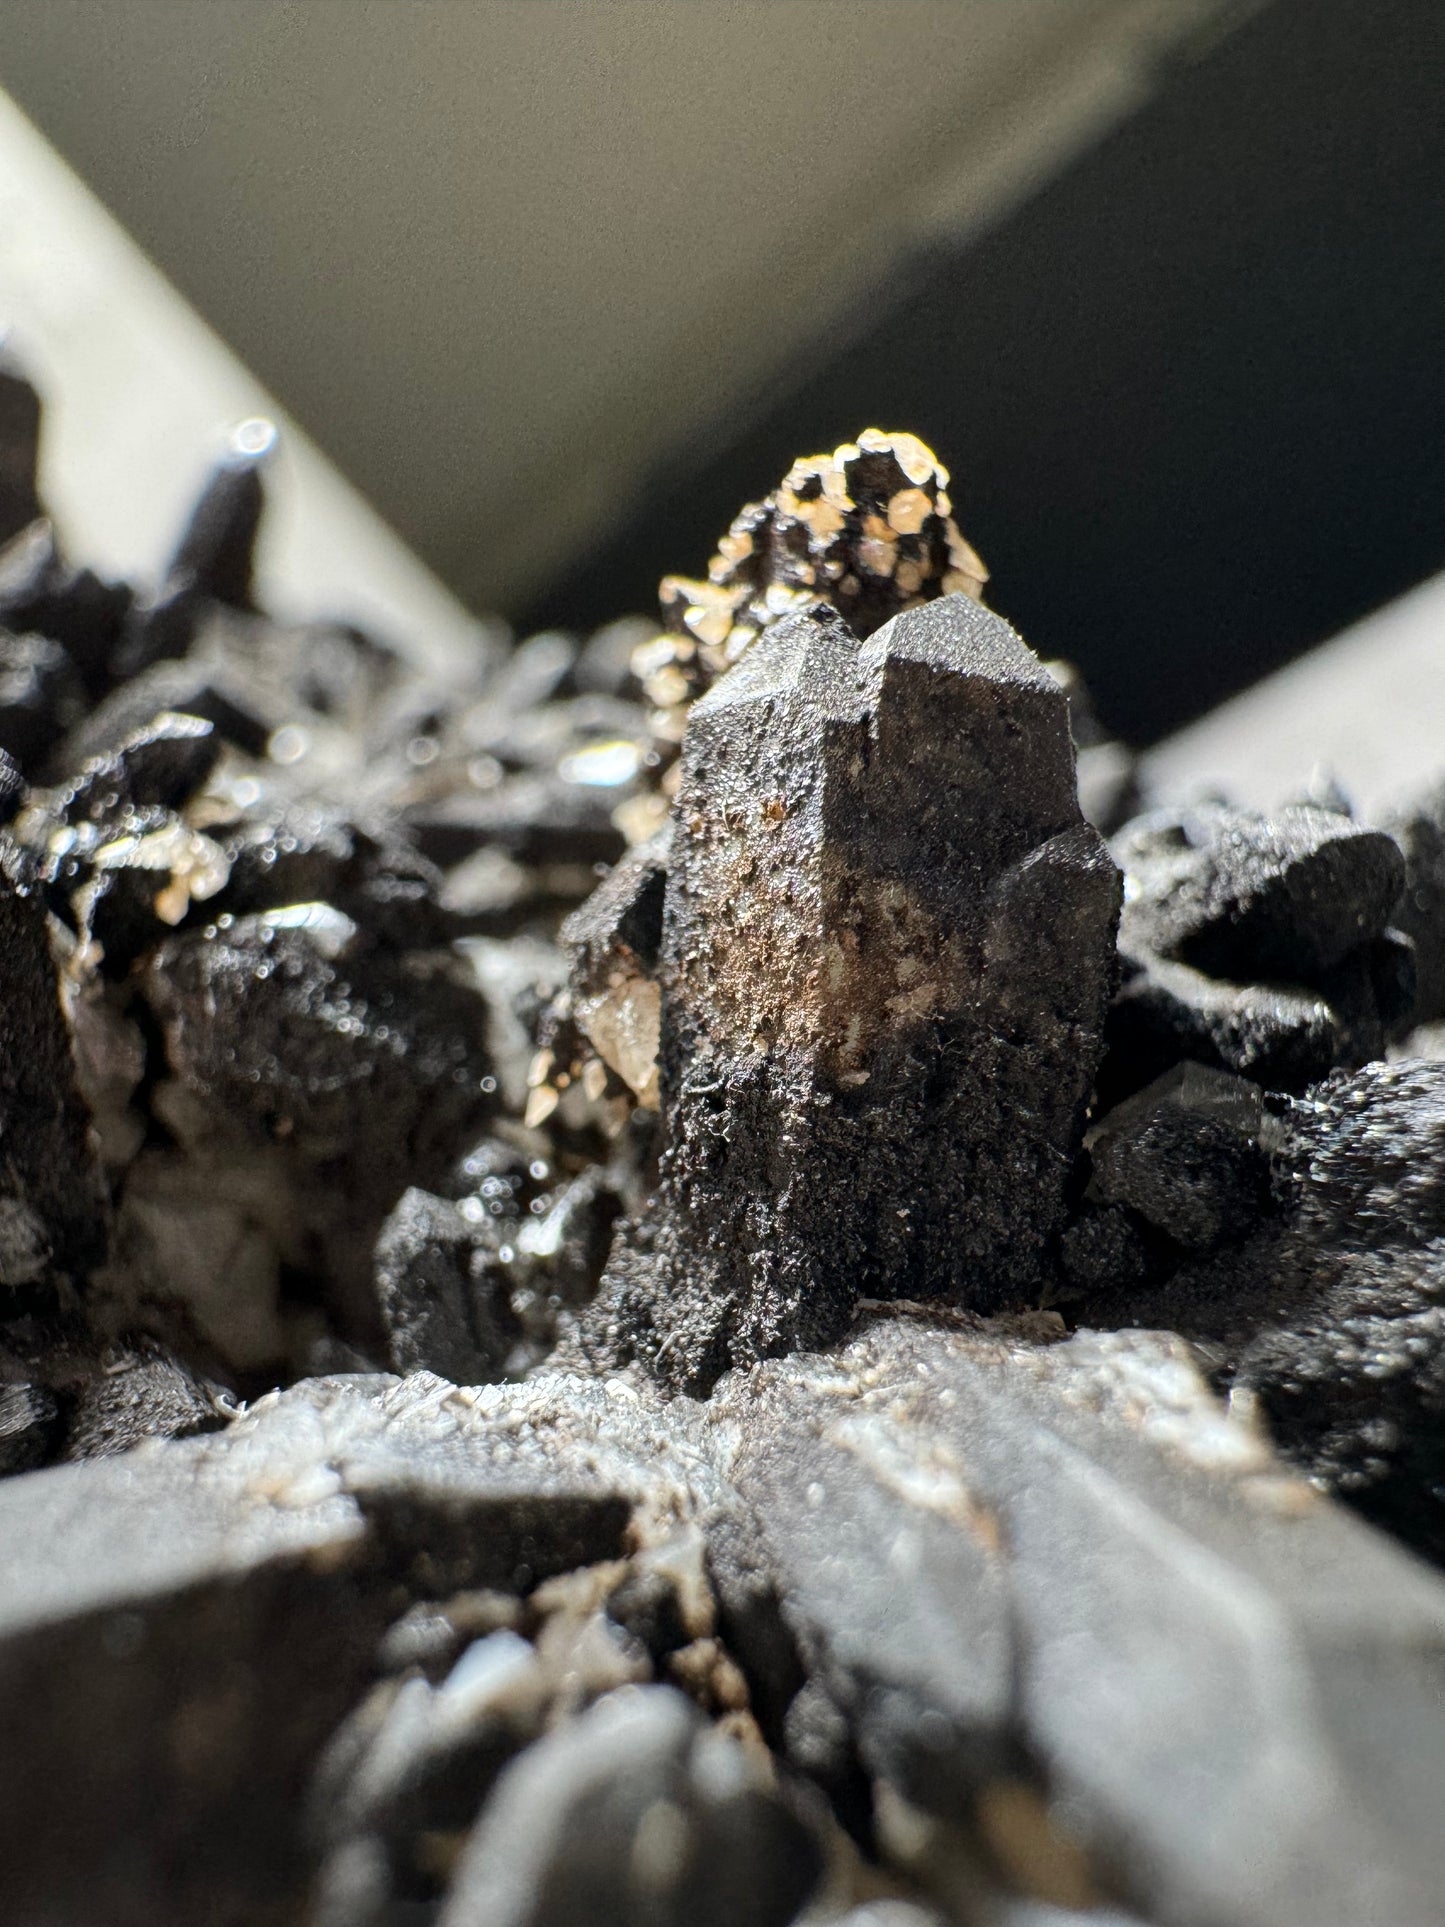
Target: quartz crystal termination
column 887, row 953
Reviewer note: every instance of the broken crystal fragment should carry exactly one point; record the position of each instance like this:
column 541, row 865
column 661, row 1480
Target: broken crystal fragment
column 613, row 943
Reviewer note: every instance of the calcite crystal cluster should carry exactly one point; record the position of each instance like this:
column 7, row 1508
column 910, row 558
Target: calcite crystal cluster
column 692, row 1278
column 868, row 529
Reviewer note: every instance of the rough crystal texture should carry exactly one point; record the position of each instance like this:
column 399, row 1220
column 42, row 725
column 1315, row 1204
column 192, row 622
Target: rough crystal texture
column 1251, row 897
column 887, row 952
column 1003, row 1559
column 1037, row 1612
column 52, row 1201
column 1280, row 1037
column 1010, row 1629
column 441, row 1303
column 291, row 1047
column 613, row 943
column 204, row 1613
column 1332, row 1314
column 1257, row 944
column 1188, row 1154
column 635, row 1813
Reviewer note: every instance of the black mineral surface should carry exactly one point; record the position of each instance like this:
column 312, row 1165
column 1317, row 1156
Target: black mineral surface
column 886, row 956
column 642, row 1286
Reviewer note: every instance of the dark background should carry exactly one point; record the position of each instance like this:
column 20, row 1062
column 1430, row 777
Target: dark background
column 1192, row 393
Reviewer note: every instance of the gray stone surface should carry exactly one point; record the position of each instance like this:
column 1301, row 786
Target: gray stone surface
column 1332, row 1316
column 1280, row 1036
column 183, row 1626
column 1257, row 944
column 635, row 1813
column 1045, row 1596
column 1004, row 1559
column 340, row 1073
column 139, row 1391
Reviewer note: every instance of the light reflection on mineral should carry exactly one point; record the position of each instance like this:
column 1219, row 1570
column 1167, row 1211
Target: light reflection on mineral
column 328, row 929
column 199, row 868
column 602, row 765
column 288, row 744
column 254, row 438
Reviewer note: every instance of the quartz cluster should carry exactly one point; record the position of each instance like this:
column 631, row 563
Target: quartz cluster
column 827, row 1374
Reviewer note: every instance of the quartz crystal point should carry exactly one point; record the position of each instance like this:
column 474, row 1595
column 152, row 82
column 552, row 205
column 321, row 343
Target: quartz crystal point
column 887, row 951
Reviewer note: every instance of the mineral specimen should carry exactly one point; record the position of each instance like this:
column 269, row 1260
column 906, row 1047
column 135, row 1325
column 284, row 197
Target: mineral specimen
column 1330, row 1314
column 1256, row 898
column 615, row 943
column 1257, row 944
column 635, row 1812
column 1129, row 1557
column 441, row 1300
column 1189, row 1154
column 867, row 530
column 327, row 1051
column 886, row 957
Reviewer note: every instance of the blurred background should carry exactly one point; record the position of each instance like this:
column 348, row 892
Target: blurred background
column 551, row 290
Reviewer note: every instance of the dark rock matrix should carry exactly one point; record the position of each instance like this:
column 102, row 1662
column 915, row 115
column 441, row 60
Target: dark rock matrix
column 628, row 1298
